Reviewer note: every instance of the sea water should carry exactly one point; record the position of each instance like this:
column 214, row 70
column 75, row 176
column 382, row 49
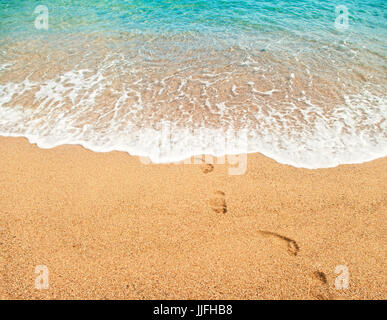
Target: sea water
column 301, row 81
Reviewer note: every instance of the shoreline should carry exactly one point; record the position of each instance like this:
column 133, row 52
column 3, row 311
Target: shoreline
column 211, row 156
column 108, row 226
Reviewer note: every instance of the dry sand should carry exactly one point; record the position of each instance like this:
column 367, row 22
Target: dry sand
column 108, row 226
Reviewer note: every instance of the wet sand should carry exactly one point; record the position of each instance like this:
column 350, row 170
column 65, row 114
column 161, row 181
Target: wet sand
column 110, row 227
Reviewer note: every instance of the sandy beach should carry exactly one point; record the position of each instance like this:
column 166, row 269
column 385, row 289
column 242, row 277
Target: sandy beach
column 107, row 226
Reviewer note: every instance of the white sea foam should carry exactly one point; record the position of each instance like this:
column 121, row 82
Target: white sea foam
column 354, row 132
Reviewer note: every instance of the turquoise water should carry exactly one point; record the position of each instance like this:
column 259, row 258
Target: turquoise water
column 301, row 17
column 276, row 77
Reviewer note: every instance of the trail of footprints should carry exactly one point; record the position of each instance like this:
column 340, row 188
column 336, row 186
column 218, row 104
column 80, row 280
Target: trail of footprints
column 218, row 204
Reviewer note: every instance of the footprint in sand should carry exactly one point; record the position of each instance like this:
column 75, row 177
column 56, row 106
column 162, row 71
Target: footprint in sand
column 218, row 202
column 292, row 245
column 207, row 168
column 320, row 276
column 320, row 287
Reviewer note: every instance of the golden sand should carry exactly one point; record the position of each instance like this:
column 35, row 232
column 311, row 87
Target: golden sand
column 107, row 226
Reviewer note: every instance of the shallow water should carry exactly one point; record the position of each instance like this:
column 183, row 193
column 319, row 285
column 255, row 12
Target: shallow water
column 171, row 79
